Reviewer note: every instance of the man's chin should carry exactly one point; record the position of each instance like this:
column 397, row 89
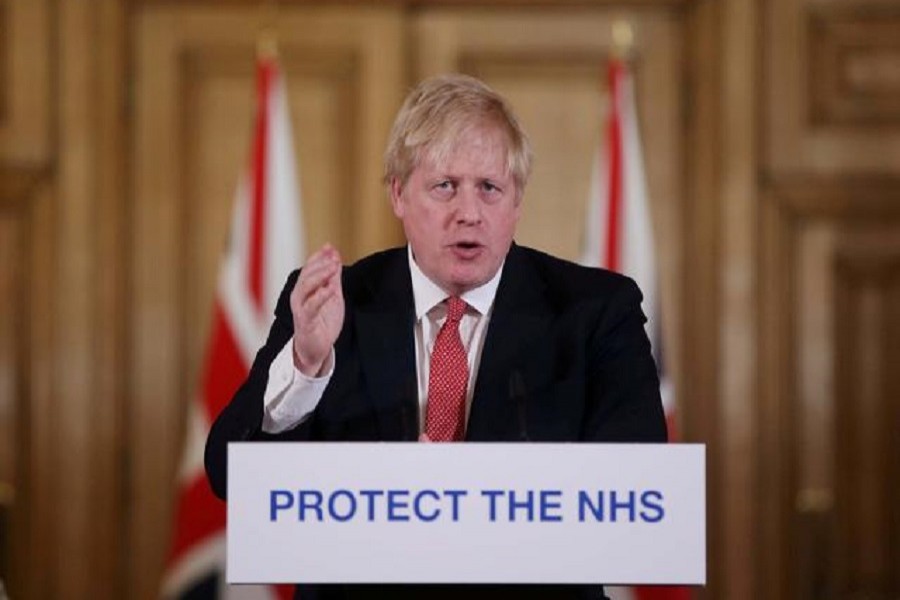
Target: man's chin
column 462, row 283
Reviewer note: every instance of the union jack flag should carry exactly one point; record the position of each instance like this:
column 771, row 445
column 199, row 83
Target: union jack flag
column 265, row 244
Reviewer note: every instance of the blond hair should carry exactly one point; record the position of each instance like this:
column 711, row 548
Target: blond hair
column 434, row 115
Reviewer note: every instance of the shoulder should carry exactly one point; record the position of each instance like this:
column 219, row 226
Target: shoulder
column 378, row 275
column 566, row 282
column 377, row 262
column 374, row 264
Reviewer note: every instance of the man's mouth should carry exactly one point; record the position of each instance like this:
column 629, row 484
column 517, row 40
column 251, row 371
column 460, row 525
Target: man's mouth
column 466, row 249
column 467, row 245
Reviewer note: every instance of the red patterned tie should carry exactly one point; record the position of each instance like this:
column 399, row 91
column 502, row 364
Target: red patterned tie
column 448, row 380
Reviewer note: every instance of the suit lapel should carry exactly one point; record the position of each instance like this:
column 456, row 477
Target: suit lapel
column 520, row 316
column 384, row 323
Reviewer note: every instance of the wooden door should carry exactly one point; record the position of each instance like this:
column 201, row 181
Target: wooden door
column 830, row 282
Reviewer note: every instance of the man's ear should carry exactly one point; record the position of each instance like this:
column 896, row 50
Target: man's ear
column 396, row 192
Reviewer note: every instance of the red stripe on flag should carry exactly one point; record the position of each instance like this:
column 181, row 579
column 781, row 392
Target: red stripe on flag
column 200, row 515
column 225, row 369
column 662, row 592
column 671, row 427
column 265, row 74
column 614, row 143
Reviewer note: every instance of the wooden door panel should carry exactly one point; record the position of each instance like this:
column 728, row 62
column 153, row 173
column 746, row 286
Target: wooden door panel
column 25, row 81
column 28, row 442
column 829, row 404
column 833, row 99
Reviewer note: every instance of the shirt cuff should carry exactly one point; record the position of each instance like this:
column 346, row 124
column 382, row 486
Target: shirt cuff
column 291, row 396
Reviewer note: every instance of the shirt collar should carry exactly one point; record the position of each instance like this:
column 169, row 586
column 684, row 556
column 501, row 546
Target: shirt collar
column 427, row 294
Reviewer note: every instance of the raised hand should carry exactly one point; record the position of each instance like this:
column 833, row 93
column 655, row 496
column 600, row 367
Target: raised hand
column 317, row 306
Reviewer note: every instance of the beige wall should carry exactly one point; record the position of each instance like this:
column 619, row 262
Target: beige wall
column 772, row 139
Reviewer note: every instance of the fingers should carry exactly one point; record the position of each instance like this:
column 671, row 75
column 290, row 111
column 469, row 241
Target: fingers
column 325, row 260
column 321, row 273
column 327, row 254
column 314, row 302
column 321, row 277
column 423, row 437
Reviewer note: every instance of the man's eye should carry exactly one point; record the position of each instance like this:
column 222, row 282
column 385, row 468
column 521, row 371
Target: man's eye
column 444, row 190
column 489, row 187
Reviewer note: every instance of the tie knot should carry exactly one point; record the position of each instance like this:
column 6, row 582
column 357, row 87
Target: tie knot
column 456, row 307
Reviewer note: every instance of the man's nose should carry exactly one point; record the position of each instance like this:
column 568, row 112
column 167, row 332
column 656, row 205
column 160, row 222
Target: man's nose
column 468, row 207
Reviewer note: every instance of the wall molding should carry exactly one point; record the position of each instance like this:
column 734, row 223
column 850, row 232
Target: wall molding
column 25, row 81
column 854, row 66
column 4, row 61
column 26, row 208
column 818, row 235
column 838, row 197
column 18, row 184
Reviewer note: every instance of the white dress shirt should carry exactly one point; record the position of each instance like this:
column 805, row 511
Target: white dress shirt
column 291, row 396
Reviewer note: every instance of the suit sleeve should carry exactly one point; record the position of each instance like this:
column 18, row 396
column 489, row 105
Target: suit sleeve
column 624, row 401
column 241, row 419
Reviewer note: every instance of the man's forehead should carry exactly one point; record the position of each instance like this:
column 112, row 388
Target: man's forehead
column 482, row 150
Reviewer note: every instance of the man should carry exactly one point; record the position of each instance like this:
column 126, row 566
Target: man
column 462, row 335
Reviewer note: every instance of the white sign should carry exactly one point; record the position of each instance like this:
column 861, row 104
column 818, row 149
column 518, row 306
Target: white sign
column 466, row 513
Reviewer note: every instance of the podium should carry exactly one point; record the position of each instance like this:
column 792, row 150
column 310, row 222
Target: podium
column 466, row 513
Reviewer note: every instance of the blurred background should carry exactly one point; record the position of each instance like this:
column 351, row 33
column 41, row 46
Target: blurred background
column 771, row 138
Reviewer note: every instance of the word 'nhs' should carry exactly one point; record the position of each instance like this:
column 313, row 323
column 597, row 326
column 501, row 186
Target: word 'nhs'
column 613, row 506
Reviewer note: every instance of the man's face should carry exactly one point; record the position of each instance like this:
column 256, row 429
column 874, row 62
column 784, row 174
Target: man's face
column 460, row 216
